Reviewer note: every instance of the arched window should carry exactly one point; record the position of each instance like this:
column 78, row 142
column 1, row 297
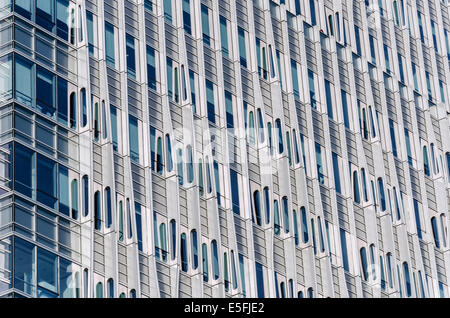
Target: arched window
column 99, row 290
column 205, row 262
column 194, row 249
column 363, row 255
column 73, row 111
column 283, row 290
column 215, row 255
column 310, row 292
column 169, row 161
column 300, row 294
column 173, row 235
column 86, row 282
column 276, row 218
column 251, row 128
column 286, row 214
column 98, row 211
column 183, row 253
column 110, row 284
column 133, row 293
column 108, row 207
column 330, row 25
column 122, row 295
column 435, row 231
column 267, row 204
column 85, row 185
column 74, row 195
column 356, row 195
column 291, row 288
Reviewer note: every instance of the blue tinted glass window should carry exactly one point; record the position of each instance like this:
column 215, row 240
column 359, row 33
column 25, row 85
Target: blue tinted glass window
column 276, row 218
column 138, row 216
column 110, row 45
column 286, row 214
column 46, row 181
column 90, row 31
column 235, row 191
column 108, row 207
column 45, row 14
column 151, row 68
column 205, row 25
column 337, row 178
column 210, row 101
column 295, row 82
column 205, row 262
column 24, row 266
column 187, row 16
column 183, row 253
column 24, row 80
column 344, row 250
column 242, row 47
column 97, row 211
column 224, row 35
column 304, row 225
column 257, row 203
column 194, row 249
column 259, row 280
column 173, row 236
column 131, row 56
column 134, row 138
column 47, row 274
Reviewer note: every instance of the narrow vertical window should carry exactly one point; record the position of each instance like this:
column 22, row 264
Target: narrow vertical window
column 173, row 236
column 110, row 45
column 276, row 218
column 194, row 249
column 131, row 56
column 183, row 253
column 134, row 139
column 97, row 211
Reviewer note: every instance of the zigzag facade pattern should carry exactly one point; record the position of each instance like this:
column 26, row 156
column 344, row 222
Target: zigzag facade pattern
column 220, row 148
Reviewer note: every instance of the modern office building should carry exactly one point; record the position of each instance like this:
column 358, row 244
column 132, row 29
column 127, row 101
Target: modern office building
column 224, row 148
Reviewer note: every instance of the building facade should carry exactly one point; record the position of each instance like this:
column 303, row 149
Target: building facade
column 224, row 148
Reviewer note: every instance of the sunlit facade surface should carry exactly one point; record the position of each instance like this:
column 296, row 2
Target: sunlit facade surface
column 224, row 148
